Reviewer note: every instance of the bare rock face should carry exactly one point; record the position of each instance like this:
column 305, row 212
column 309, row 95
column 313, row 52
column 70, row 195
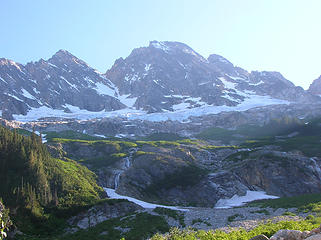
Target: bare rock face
column 278, row 173
column 103, row 212
column 315, row 87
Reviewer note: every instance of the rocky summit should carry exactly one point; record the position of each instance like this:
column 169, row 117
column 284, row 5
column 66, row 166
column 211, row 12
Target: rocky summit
column 165, row 77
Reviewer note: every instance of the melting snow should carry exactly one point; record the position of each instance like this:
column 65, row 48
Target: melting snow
column 36, row 91
column 161, row 45
column 103, row 89
column 181, row 106
column 182, row 115
column 255, row 84
column 2, row 80
column 237, row 201
column 132, row 77
column 126, row 100
column 53, row 65
column 89, row 80
column 112, row 194
column 27, row 94
column 14, row 97
column 235, row 78
column 147, row 67
column 227, row 84
column 98, row 135
column 72, row 85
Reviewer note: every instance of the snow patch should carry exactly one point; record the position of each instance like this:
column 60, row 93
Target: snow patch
column 147, row 67
column 237, row 201
column 181, row 106
column 227, row 84
column 132, row 77
column 27, row 94
column 88, row 80
column 72, row 85
column 126, row 100
column 2, row 80
column 15, row 97
column 113, row 195
column 103, row 89
column 161, row 45
column 98, row 135
column 53, row 65
column 35, row 91
column 255, row 84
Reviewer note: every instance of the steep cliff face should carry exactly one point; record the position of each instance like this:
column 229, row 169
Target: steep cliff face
column 187, row 173
column 280, row 173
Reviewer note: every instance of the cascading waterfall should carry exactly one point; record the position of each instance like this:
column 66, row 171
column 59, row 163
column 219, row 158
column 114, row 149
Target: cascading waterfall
column 316, row 167
column 116, row 181
column 127, row 164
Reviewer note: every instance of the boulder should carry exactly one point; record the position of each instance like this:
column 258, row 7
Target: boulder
column 285, row 234
column 260, row 237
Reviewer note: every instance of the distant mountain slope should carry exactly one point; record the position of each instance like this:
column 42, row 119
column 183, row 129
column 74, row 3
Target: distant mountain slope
column 315, row 87
column 169, row 76
column 164, row 77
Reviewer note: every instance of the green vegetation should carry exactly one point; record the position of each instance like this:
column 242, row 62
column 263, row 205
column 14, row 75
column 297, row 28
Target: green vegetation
column 69, row 134
column 288, row 214
column 275, row 127
column 199, row 220
column 304, row 203
column 267, row 229
column 171, row 213
column 233, row 217
column 162, row 136
column 42, row 190
column 132, row 227
column 5, row 221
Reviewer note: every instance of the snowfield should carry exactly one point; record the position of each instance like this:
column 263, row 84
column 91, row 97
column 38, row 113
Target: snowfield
column 112, row 194
column 237, row 201
column 181, row 114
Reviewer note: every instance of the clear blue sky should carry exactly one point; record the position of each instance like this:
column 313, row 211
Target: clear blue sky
column 280, row 35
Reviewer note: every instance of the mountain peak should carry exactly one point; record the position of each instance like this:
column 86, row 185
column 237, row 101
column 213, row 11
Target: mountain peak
column 214, row 58
column 315, row 87
column 65, row 57
column 63, row 53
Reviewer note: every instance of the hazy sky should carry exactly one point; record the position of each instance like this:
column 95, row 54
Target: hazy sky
column 279, row 35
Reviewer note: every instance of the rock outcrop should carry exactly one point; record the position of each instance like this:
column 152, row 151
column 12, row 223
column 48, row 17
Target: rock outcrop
column 102, row 212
